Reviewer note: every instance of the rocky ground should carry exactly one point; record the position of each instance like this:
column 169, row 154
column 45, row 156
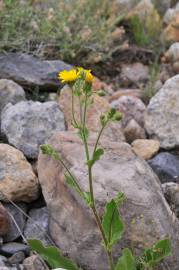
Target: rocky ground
column 141, row 153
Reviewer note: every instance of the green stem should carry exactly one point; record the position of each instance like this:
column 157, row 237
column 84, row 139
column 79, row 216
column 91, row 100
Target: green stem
column 73, row 111
column 93, row 205
column 98, row 138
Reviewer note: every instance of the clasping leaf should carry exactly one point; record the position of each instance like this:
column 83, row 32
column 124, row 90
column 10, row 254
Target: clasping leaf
column 126, row 261
column 112, row 224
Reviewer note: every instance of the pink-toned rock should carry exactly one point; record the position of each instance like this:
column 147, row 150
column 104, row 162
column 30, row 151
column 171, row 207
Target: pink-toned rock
column 99, row 106
column 131, row 107
column 17, row 179
column 133, row 131
column 146, row 149
column 71, row 224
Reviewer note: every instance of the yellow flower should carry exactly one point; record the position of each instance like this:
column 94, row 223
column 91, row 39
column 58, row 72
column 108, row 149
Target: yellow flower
column 68, row 76
column 89, row 76
column 86, row 73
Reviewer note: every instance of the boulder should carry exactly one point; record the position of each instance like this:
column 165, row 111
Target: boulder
column 71, row 224
column 100, row 105
column 131, row 107
column 37, row 225
column 10, row 92
column 31, row 72
column 28, row 124
column 166, row 166
column 162, row 117
column 146, row 149
column 17, row 179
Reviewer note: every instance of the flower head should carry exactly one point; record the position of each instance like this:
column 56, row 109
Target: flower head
column 89, row 76
column 86, row 73
column 68, row 76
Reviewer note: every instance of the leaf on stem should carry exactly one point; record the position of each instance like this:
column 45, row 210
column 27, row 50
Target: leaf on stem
column 126, row 261
column 49, row 150
column 96, row 156
column 52, row 255
column 157, row 253
column 112, row 224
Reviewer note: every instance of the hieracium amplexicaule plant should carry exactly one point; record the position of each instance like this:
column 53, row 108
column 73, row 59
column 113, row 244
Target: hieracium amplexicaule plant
column 111, row 226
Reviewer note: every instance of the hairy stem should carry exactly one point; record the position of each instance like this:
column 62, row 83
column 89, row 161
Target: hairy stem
column 90, row 177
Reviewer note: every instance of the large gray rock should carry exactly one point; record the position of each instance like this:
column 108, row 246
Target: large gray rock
column 17, row 179
column 162, row 118
column 10, row 92
column 71, row 224
column 30, row 71
column 37, row 225
column 28, row 124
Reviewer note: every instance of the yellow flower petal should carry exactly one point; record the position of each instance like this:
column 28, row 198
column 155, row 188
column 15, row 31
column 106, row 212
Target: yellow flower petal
column 67, row 76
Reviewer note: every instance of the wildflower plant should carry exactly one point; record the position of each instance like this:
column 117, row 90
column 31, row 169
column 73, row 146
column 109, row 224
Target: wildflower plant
column 111, row 226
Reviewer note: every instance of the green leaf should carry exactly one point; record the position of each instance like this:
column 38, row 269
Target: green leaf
column 49, row 150
column 112, row 224
column 119, row 198
column 126, row 261
column 83, row 133
column 73, row 183
column 96, row 156
column 87, row 197
column 158, row 252
column 52, row 255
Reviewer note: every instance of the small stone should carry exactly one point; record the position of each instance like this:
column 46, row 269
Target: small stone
column 133, row 131
column 4, row 221
column 166, row 166
column 172, row 55
column 37, row 225
column 143, row 9
column 13, row 247
column 10, row 92
column 17, row 179
column 3, row 260
column 146, row 149
column 134, row 74
column 16, row 258
column 125, row 92
column 171, row 192
column 35, row 123
column 34, row 262
column 19, row 218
